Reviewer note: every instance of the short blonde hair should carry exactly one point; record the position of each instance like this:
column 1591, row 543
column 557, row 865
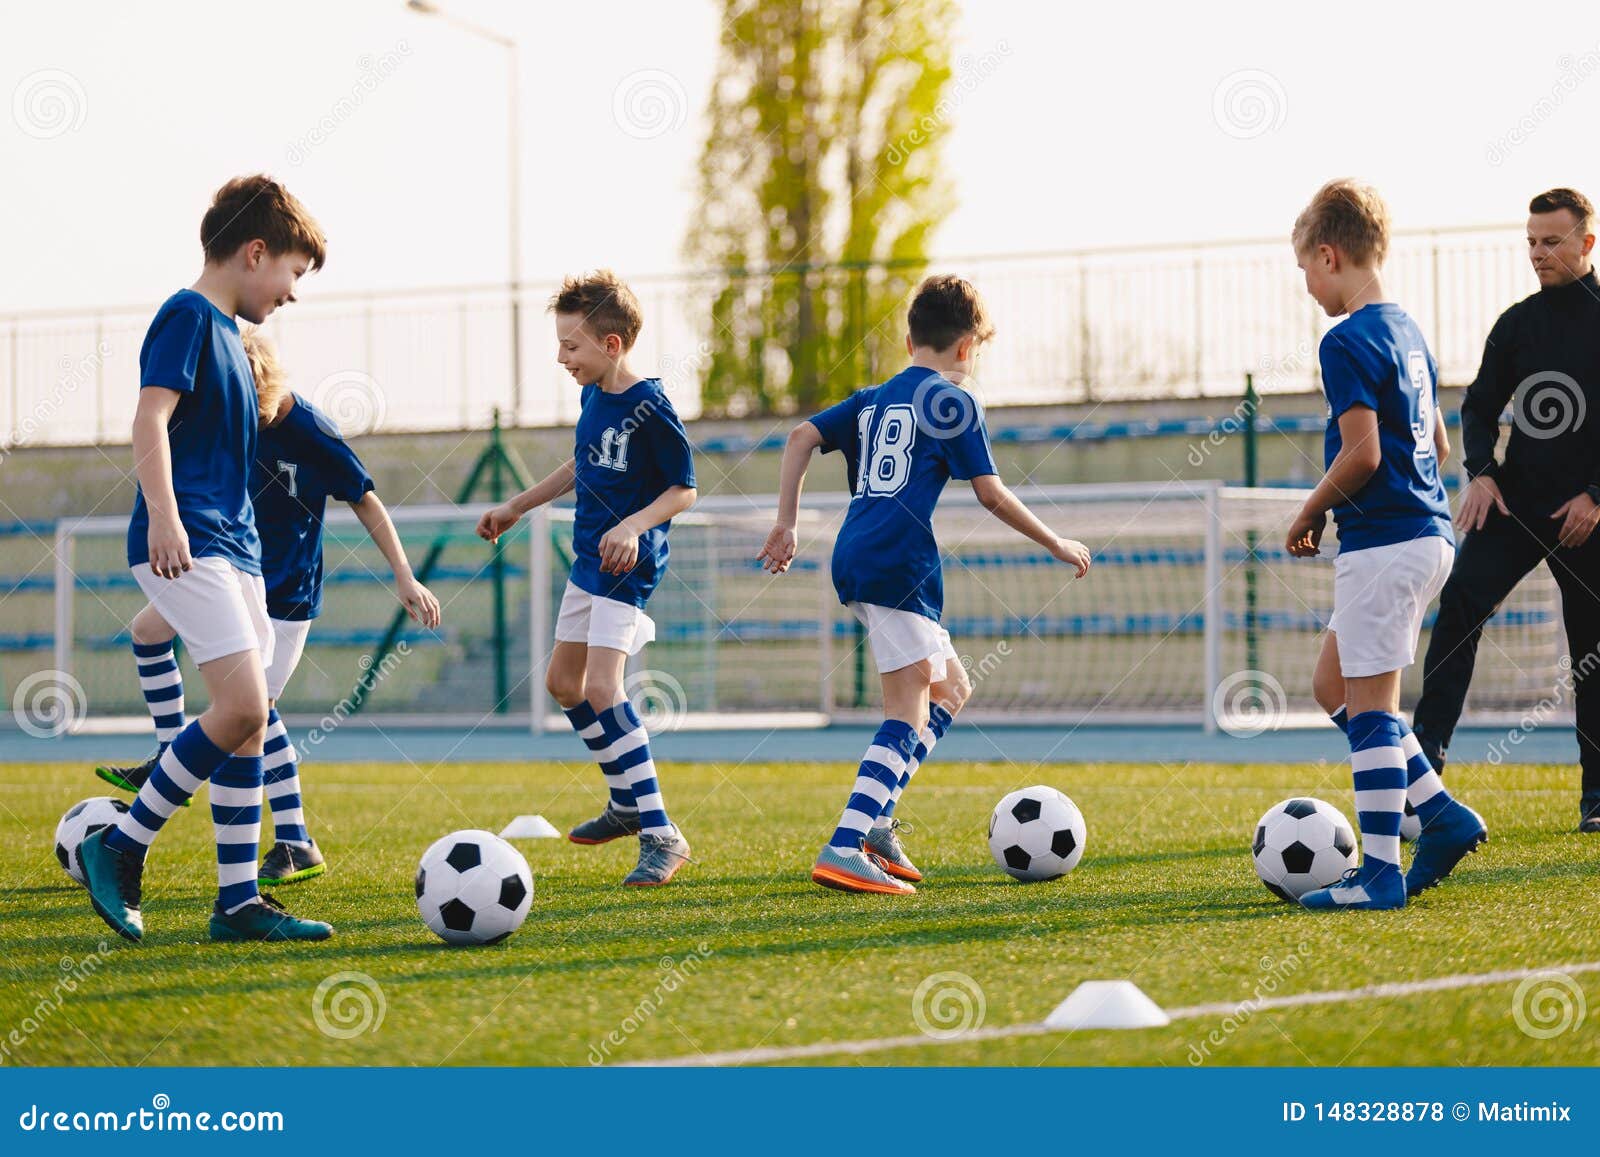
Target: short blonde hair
column 1349, row 216
column 605, row 302
column 271, row 384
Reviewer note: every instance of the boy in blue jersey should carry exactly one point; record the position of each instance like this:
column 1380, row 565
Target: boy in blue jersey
column 301, row 461
column 633, row 472
column 195, row 553
column 902, row 441
column 1383, row 449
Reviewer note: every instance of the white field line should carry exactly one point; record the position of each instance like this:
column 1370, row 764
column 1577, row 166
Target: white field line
column 757, row 1056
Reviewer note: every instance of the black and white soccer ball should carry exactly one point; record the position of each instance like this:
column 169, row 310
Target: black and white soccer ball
column 82, row 820
column 473, row 888
column 1410, row 825
column 1037, row 834
column 1303, row 844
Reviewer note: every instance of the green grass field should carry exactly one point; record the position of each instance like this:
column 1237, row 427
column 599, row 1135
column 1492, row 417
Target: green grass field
column 743, row 951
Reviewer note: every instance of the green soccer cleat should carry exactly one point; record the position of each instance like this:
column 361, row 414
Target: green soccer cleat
column 609, row 825
column 289, row 864
column 114, row 880
column 131, row 779
column 883, row 845
column 660, row 857
column 264, row 919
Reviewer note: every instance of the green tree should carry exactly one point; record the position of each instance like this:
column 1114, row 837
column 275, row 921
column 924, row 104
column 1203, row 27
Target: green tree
column 820, row 186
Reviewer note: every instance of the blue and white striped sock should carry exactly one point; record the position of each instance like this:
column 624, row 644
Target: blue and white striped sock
column 162, row 684
column 280, row 765
column 630, row 754
column 1379, row 765
column 598, row 739
column 878, row 776
column 938, row 721
column 236, row 815
column 1424, row 789
column 185, row 765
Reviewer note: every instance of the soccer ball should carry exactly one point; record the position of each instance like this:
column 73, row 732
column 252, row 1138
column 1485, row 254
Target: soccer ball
column 83, row 819
column 1037, row 834
column 1410, row 825
column 473, row 888
column 1301, row 845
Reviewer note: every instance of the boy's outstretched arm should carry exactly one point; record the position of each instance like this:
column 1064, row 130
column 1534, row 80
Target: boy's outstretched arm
column 998, row 500
column 619, row 546
column 417, row 599
column 502, row 518
column 778, row 551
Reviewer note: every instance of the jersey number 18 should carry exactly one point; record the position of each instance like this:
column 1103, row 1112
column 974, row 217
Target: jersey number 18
column 886, row 462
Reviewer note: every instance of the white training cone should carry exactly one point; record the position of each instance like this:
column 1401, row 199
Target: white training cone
column 1107, row 1004
column 529, row 828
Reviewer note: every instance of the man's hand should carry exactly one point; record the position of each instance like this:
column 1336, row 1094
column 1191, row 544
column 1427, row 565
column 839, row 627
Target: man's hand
column 169, row 548
column 1578, row 515
column 619, row 549
column 1073, row 553
column 1305, row 534
column 418, row 601
column 497, row 521
column 1481, row 496
column 778, row 551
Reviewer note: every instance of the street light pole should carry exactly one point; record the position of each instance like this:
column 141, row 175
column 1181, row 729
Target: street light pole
column 513, row 181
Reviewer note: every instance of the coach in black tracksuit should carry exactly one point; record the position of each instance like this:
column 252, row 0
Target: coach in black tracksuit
column 1540, row 504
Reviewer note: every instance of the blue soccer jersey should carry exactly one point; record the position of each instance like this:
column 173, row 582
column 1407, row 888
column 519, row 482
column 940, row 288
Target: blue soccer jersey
column 300, row 463
column 902, row 441
column 630, row 449
column 194, row 348
column 1377, row 358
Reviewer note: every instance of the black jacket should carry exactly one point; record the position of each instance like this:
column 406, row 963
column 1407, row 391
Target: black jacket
column 1542, row 358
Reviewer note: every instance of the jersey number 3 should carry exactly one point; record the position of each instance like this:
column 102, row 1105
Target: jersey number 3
column 886, row 462
column 1422, row 428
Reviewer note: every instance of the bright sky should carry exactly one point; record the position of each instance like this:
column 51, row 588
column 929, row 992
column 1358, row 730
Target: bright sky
column 1094, row 125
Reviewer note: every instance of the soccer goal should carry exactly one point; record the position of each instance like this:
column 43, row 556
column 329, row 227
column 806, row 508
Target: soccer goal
column 1193, row 613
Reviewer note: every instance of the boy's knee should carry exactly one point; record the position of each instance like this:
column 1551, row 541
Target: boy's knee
column 602, row 693
column 565, row 687
column 149, row 627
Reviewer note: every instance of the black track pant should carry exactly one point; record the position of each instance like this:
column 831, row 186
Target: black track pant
column 1489, row 564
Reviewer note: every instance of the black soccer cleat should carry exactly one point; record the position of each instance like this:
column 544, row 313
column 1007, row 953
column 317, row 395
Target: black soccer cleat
column 289, row 864
column 131, row 779
column 1589, row 814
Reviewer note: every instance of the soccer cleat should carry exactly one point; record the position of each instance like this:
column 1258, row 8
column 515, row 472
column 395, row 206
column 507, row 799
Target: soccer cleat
column 113, row 879
column 1589, row 814
column 1374, row 888
column 1447, row 837
column 883, row 846
column 264, row 919
column 131, row 778
column 852, row 870
column 660, row 857
column 289, row 864
column 609, row 825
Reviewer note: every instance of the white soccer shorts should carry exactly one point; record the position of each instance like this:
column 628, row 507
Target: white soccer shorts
column 1380, row 596
column 600, row 622
column 288, row 644
column 900, row 638
column 214, row 606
